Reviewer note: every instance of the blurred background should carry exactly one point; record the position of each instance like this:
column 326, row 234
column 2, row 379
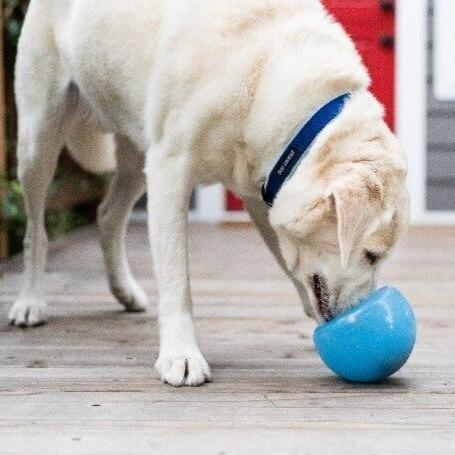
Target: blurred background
column 407, row 46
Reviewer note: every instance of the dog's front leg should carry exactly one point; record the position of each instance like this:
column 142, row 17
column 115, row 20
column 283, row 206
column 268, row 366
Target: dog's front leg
column 180, row 361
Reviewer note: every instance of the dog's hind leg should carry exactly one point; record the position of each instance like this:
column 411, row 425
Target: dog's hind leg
column 127, row 186
column 44, row 115
column 258, row 213
column 38, row 151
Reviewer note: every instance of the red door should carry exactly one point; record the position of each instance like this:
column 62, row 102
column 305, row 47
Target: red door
column 371, row 24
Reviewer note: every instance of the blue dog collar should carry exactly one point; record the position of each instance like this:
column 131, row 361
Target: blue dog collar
column 300, row 146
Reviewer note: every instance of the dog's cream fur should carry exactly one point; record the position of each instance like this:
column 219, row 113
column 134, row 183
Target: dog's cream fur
column 198, row 92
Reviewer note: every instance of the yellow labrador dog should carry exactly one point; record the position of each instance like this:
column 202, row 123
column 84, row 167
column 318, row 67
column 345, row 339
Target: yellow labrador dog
column 268, row 97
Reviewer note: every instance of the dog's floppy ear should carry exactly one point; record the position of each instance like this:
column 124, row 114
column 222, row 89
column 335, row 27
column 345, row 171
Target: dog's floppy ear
column 357, row 200
column 353, row 214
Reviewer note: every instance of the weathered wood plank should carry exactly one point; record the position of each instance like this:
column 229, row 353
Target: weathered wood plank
column 139, row 438
column 85, row 383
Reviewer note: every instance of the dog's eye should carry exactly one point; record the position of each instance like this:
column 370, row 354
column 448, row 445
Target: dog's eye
column 372, row 258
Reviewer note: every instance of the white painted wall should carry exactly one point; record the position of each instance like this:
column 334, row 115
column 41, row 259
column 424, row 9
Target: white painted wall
column 210, row 204
column 411, row 103
column 444, row 50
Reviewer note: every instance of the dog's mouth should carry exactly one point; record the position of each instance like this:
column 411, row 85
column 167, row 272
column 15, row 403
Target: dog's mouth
column 322, row 295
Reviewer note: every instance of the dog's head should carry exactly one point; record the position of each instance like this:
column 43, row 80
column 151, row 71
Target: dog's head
column 340, row 215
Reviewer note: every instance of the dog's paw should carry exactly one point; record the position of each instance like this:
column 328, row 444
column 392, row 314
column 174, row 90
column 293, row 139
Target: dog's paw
column 132, row 297
column 183, row 369
column 28, row 312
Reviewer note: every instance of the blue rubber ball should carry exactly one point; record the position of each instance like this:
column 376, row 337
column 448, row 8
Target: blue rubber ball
column 370, row 341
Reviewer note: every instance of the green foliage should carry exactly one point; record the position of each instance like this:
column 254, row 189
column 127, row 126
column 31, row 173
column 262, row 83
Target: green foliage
column 14, row 13
column 13, row 218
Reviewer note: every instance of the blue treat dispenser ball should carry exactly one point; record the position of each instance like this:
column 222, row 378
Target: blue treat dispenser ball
column 370, row 341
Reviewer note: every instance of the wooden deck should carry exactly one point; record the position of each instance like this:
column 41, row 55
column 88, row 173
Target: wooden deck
column 85, row 384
